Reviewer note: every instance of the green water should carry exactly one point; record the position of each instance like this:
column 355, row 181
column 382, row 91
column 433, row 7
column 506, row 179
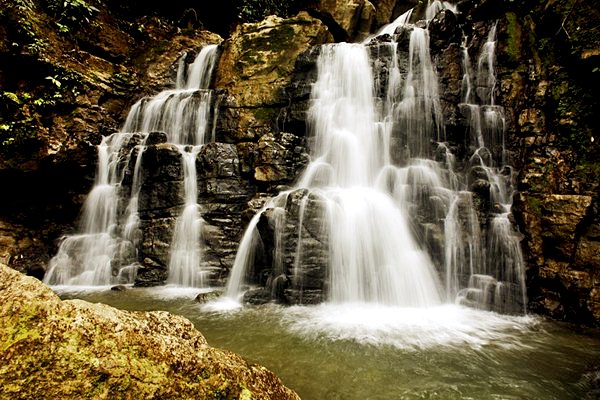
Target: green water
column 355, row 352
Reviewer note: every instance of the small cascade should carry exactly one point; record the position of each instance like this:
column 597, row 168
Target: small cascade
column 384, row 214
column 390, row 29
column 185, row 247
column 434, row 7
column 498, row 282
column 183, row 113
column 100, row 255
column 105, row 252
column 419, row 113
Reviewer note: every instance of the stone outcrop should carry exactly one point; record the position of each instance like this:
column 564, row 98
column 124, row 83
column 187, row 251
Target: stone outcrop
column 222, row 195
column 563, row 243
column 292, row 281
column 546, row 68
column 257, row 64
column 348, row 19
column 74, row 349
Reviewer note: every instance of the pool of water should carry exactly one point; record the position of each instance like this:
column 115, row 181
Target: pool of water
column 357, row 351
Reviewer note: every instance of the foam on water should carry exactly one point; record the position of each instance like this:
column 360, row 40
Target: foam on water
column 407, row 328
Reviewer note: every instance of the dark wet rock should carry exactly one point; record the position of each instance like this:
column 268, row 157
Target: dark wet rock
column 257, row 296
column 444, row 29
column 151, row 273
column 156, row 138
column 301, row 263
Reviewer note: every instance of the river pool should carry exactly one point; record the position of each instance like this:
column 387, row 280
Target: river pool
column 358, row 351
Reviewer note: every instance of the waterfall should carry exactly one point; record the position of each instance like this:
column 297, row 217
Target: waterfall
column 185, row 247
column 373, row 256
column 383, row 202
column 499, row 281
column 100, row 255
column 105, row 252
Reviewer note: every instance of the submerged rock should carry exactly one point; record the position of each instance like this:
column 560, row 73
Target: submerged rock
column 74, row 349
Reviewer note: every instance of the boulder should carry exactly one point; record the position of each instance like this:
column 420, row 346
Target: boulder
column 562, row 246
column 279, row 157
column 303, row 256
column 73, row 349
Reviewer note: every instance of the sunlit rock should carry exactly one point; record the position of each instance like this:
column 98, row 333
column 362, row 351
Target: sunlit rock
column 74, row 349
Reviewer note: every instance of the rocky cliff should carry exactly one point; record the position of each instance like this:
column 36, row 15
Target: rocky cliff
column 549, row 65
column 67, row 81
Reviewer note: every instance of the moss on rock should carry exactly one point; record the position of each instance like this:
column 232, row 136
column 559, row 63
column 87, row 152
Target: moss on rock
column 53, row 349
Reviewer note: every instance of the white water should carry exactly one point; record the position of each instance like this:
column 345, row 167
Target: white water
column 387, row 178
column 184, row 263
column 373, row 256
column 98, row 255
column 499, row 278
column 105, row 252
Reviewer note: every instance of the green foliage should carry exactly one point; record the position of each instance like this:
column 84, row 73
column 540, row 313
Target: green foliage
column 256, row 10
column 24, row 5
column 17, row 132
column 574, row 115
column 71, row 14
column 22, row 111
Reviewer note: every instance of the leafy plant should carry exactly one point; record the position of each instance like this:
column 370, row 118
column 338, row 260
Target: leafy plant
column 256, row 10
column 71, row 14
column 21, row 112
column 17, row 132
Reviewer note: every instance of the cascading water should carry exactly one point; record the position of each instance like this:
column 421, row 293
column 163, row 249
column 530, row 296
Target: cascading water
column 399, row 227
column 105, row 253
column 89, row 258
column 185, row 248
column 499, row 281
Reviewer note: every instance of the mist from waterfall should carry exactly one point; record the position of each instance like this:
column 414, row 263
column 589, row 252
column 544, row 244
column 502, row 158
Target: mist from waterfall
column 105, row 252
column 401, row 223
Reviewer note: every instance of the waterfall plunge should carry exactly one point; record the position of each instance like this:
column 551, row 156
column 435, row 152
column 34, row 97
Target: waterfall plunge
column 106, row 251
column 373, row 256
column 390, row 190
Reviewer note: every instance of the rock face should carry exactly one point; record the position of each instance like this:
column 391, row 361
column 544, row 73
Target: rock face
column 348, row 19
column 73, row 349
column 257, row 64
column 546, row 76
column 68, row 74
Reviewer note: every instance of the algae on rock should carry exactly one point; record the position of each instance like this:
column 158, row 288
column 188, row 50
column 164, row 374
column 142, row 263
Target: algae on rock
column 53, row 349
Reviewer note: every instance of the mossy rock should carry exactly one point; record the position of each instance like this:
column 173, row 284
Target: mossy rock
column 53, row 349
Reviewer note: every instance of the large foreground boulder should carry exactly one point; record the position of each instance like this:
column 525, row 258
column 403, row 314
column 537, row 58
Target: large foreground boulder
column 53, row 349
